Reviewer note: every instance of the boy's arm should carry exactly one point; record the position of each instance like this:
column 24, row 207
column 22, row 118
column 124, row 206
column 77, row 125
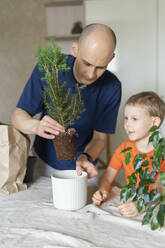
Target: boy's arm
column 105, row 183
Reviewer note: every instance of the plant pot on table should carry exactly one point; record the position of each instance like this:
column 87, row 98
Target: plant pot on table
column 65, row 144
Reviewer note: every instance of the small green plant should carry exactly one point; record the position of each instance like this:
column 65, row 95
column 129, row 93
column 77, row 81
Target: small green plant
column 61, row 105
column 152, row 201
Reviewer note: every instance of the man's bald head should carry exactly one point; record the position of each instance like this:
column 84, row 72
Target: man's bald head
column 93, row 52
column 97, row 29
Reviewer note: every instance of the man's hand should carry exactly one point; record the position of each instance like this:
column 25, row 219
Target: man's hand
column 48, row 128
column 100, row 196
column 128, row 209
column 82, row 164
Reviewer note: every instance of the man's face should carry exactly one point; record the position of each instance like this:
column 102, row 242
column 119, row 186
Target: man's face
column 91, row 62
column 87, row 72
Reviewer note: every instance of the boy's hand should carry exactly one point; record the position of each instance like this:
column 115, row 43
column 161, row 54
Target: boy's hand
column 100, row 196
column 128, row 209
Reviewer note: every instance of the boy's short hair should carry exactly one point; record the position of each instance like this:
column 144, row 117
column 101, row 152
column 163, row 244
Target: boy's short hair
column 151, row 101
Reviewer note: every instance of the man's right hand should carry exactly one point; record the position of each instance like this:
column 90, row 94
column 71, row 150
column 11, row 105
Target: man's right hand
column 100, row 196
column 48, row 128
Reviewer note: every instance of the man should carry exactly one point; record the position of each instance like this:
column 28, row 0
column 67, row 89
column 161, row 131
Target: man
column 91, row 56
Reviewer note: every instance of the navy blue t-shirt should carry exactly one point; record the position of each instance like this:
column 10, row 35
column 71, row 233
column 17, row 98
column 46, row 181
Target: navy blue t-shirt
column 101, row 103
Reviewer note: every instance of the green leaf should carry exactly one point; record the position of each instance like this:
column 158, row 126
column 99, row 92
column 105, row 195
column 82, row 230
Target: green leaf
column 155, row 166
column 154, row 223
column 141, row 156
column 157, row 197
column 162, row 208
column 152, row 194
column 151, row 208
column 152, row 175
column 146, row 198
column 160, row 218
column 154, row 137
column 140, row 190
column 139, row 205
column 153, row 128
column 157, row 152
column 137, row 164
column 145, row 190
column 146, row 218
column 162, row 178
column 83, row 86
column 163, row 152
column 128, row 158
column 146, row 173
column 132, row 179
column 145, row 163
column 125, row 194
column 127, row 149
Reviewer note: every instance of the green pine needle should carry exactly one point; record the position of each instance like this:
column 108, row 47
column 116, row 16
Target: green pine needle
column 61, row 105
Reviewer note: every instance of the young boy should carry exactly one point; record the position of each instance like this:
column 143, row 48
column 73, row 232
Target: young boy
column 142, row 111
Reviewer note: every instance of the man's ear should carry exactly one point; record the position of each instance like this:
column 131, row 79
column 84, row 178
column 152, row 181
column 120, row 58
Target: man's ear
column 156, row 121
column 74, row 49
column 113, row 55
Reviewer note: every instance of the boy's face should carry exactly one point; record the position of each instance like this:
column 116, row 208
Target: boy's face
column 137, row 122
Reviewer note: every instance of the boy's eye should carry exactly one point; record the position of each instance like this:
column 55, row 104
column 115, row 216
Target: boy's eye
column 135, row 119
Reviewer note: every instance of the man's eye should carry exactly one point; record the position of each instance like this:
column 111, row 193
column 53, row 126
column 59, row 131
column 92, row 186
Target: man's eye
column 135, row 119
column 87, row 64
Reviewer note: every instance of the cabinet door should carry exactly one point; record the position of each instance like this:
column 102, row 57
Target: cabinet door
column 135, row 23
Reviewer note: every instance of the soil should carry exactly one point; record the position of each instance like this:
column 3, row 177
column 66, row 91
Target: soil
column 65, row 145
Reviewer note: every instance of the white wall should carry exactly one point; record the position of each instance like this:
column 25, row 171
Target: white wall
column 22, row 30
column 161, row 52
column 140, row 55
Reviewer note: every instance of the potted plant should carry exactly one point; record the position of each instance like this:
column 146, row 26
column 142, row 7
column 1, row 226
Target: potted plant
column 60, row 103
column 152, row 201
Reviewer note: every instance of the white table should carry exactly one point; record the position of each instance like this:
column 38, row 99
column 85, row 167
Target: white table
column 29, row 219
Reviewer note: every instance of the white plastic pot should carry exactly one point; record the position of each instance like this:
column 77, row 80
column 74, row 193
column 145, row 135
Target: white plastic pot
column 69, row 189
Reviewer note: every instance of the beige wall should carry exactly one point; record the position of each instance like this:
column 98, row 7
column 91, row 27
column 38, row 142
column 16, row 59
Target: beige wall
column 22, row 29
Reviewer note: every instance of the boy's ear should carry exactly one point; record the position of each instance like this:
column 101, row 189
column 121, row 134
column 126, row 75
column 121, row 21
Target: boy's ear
column 74, row 49
column 156, row 121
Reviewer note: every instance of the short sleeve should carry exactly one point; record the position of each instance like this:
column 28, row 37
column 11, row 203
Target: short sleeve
column 116, row 161
column 31, row 99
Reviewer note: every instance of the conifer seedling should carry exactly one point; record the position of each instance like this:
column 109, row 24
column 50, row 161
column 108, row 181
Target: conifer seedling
column 61, row 104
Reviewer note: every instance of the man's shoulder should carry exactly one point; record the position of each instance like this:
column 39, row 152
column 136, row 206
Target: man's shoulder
column 110, row 79
column 70, row 60
column 111, row 76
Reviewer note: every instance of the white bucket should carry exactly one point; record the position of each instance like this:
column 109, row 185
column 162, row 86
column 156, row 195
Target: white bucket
column 69, row 189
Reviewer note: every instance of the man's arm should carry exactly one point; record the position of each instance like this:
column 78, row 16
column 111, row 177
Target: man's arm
column 94, row 149
column 46, row 128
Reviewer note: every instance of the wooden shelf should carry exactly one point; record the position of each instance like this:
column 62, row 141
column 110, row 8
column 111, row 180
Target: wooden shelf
column 64, row 2
column 61, row 16
column 63, row 37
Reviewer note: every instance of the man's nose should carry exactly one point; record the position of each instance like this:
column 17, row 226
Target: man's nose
column 91, row 73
